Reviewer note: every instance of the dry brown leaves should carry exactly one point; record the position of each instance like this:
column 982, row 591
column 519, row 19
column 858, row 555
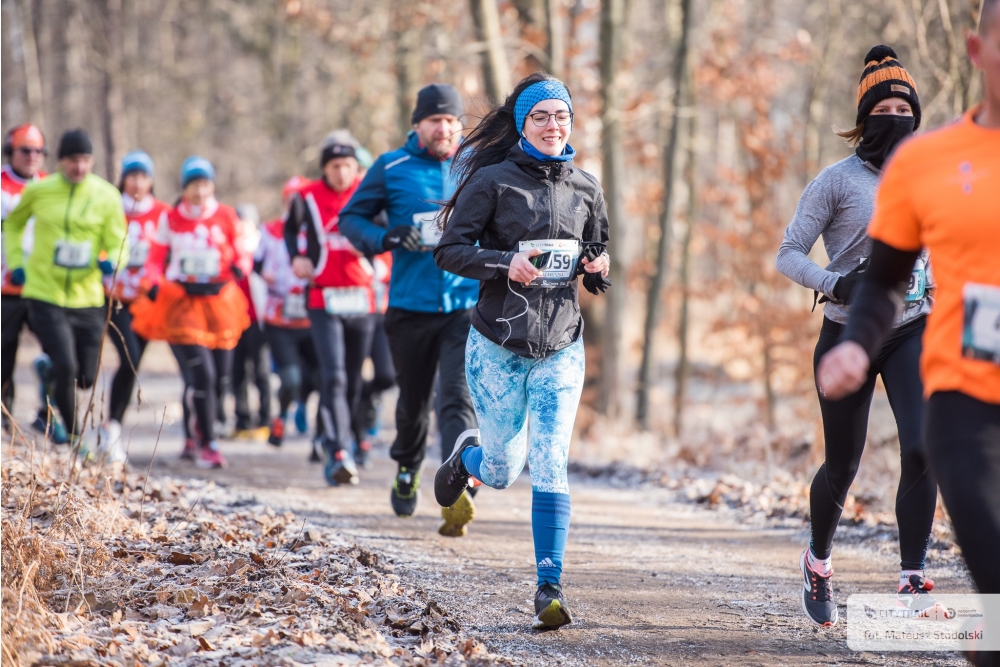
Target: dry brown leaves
column 126, row 571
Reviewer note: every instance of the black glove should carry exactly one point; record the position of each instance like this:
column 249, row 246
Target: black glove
column 595, row 283
column 591, row 250
column 153, row 291
column 845, row 285
column 405, row 236
column 237, row 272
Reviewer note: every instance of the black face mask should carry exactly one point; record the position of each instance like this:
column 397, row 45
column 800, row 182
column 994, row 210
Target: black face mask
column 882, row 134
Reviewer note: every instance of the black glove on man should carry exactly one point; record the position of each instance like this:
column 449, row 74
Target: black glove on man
column 405, row 236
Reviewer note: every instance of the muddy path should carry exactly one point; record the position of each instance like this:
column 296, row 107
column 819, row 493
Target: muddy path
column 651, row 581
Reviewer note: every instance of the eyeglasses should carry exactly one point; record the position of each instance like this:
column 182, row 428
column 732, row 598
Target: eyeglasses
column 541, row 119
column 24, row 150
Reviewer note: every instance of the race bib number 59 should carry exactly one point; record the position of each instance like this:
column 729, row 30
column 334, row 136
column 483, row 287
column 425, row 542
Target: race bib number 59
column 557, row 261
column 981, row 330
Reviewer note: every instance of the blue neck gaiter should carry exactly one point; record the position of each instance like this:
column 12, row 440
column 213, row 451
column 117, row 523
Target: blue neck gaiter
column 568, row 153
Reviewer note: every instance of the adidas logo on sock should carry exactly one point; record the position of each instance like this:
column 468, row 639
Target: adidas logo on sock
column 546, row 562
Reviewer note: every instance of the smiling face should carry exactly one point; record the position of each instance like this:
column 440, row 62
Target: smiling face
column 550, row 138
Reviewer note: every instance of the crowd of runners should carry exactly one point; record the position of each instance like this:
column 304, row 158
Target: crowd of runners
column 453, row 263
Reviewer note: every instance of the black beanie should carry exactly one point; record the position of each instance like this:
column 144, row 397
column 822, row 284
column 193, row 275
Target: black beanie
column 437, row 98
column 882, row 78
column 332, row 151
column 75, row 142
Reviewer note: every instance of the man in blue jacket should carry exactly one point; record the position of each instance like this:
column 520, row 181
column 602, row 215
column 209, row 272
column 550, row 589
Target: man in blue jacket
column 428, row 319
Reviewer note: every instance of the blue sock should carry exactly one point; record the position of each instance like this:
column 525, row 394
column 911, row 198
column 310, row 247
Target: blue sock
column 472, row 459
column 549, row 527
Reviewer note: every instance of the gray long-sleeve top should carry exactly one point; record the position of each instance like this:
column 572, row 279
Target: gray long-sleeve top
column 838, row 206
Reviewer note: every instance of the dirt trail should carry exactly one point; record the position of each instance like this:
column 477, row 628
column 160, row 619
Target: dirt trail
column 651, row 581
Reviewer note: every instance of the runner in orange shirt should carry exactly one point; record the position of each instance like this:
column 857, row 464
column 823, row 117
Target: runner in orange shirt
column 942, row 191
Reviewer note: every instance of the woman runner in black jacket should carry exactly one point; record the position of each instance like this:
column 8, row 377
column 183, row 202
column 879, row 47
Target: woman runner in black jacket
column 525, row 222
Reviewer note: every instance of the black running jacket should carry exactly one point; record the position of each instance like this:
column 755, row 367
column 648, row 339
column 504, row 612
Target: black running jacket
column 522, row 199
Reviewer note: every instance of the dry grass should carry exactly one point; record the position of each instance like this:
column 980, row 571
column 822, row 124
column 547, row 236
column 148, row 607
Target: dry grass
column 104, row 567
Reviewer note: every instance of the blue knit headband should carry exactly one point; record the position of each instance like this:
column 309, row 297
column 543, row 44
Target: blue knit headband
column 550, row 89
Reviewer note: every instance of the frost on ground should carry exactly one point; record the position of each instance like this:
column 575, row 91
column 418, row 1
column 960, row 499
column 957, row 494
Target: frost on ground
column 103, row 567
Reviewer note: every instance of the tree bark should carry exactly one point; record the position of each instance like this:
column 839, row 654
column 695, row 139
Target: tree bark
column 406, row 37
column 21, row 10
column 496, row 71
column 661, row 272
column 113, row 116
column 555, row 47
column 613, row 14
column 684, row 278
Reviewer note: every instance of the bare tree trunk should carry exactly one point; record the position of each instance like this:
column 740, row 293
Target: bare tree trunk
column 496, row 71
column 684, row 278
column 613, row 14
column 555, row 48
column 22, row 15
column 406, row 37
column 661, row 271
column 113, row 120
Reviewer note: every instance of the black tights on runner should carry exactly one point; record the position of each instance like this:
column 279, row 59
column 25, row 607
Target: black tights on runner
column 295, row 357
column 845, row 427
column 72, row 339
column 14, row 318
column 383, row 378
column 341, row 344
column 203, row 370
column 130, row 347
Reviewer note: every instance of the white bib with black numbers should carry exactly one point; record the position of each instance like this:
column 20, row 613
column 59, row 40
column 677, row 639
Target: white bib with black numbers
column 981, row 330
column 557, row 261
column 138, row 254
column 70, row 255
column 430, row 233
column 917, row 287
column 200, row 263
column 294, row 307
column 346, row 300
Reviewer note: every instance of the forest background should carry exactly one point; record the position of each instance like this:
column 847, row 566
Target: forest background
column 703, row 120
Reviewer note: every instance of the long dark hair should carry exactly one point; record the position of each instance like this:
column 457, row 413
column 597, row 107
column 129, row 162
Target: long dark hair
column 490, row 142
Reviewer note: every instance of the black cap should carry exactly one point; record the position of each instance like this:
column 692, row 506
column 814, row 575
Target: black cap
column 331, row 151
column 75, row 142
column 884, row 77
column 435, row 99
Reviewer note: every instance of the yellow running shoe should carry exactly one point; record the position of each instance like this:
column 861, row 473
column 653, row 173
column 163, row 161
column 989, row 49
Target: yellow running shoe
column 458, row 516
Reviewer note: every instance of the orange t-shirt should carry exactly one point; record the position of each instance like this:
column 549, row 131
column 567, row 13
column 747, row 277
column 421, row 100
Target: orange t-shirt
column 942, row 191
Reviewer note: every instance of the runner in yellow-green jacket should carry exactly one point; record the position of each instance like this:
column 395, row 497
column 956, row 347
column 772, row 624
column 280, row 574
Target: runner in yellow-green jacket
column 79, row 237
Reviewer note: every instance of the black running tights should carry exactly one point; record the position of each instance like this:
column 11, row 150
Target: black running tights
column 845, row 427
column 130, row 347
column 202, row 368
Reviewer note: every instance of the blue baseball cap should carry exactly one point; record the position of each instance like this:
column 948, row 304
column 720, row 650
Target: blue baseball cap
column 196, row 167
column 137, row 161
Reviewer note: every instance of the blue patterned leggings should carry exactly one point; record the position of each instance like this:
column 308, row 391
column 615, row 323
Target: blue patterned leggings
column 505, row 390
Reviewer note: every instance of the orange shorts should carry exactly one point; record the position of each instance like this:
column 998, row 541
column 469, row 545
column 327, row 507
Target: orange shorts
column 215, row 322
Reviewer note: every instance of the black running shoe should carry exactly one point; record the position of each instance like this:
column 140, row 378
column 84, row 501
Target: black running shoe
column 915, row 595
column 551, row 611
column 817, row 595
column 404, row 495
column 452, row 478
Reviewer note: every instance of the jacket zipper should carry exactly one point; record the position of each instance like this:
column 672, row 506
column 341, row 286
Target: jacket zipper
column 69, row 204
column 543, row 324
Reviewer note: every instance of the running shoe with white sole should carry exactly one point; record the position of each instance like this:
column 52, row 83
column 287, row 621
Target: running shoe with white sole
column 210, row 456
column 915, row 594
column 458, row 516
column 277, row 434
column 817, row 594
column 452, row 478
column 405, row 492
column 110, row 446
column 340, row 468
column 551, row 610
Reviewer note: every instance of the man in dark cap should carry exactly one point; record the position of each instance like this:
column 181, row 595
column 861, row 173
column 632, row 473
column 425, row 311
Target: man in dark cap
column 78, row 220
column 428, row 318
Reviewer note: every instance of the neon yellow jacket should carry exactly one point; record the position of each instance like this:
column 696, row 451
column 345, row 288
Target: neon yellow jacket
column 87, row 212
